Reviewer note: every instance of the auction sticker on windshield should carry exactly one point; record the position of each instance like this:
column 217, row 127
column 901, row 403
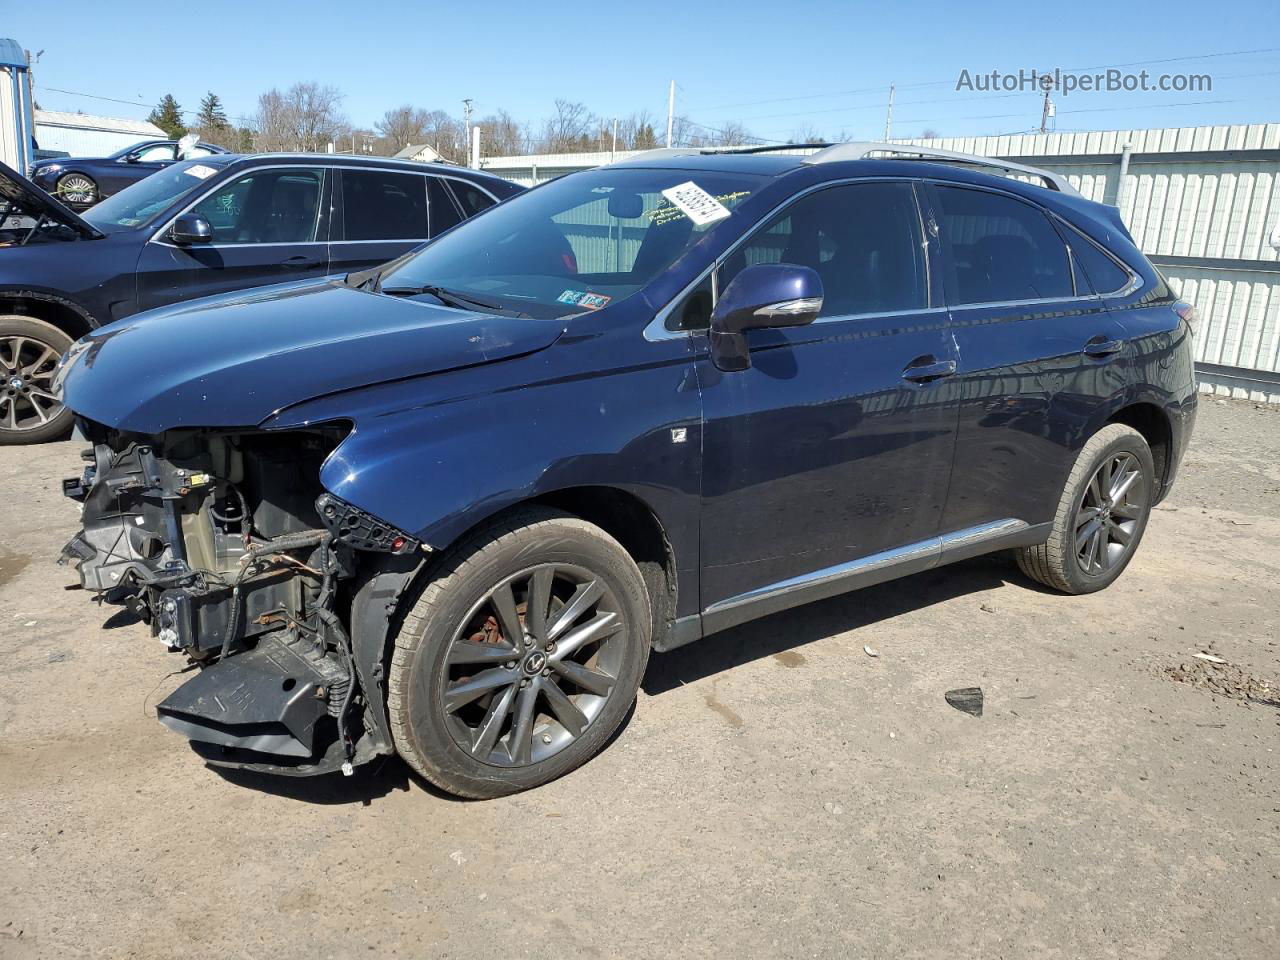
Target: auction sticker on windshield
column 592, row 301
column 200, row 170
column 701, row 207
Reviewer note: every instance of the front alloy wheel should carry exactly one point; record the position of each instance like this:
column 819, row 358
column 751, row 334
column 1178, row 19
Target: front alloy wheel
column 78, row 189
column 30, row 411
column 522, row 655
column 534, row 665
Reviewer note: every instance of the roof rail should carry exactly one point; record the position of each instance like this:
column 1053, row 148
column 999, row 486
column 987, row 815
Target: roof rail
column 906, row 151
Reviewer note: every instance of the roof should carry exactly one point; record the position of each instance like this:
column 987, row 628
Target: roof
column 417, row 149
column 85, row 121
column 12, row 54
column 448, row 169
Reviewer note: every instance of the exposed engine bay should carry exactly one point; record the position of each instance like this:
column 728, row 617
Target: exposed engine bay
column 226, row 545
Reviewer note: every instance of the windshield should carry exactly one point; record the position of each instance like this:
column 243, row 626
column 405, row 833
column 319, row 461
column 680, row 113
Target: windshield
column 579, row 243
column 141, row 202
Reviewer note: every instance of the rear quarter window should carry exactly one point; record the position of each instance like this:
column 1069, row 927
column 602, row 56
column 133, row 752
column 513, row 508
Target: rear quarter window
column 1103, row 273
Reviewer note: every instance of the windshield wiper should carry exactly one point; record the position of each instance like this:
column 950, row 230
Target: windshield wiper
column 450, row 298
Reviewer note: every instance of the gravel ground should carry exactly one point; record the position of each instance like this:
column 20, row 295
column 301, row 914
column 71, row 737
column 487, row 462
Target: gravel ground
column 777, row 792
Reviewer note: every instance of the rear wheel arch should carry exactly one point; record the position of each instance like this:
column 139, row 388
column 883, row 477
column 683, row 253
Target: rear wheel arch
column 1150, row 420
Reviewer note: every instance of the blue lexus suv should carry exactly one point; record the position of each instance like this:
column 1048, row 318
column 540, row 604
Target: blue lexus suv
column 445, row 508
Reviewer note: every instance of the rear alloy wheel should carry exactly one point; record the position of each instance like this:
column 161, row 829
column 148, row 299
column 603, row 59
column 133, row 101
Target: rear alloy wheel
column 1101, row 516
column 522, row 656
column 77, row 188
column 30, row 412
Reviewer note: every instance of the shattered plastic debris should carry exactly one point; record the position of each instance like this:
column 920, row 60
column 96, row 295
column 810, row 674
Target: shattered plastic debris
column 871, row 651
column 1209, row 657
column 966, row 699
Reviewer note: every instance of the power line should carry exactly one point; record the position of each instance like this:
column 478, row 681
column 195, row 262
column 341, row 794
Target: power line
column 933, row 83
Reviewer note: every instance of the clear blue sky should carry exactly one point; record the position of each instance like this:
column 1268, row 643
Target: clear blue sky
column 778, row 67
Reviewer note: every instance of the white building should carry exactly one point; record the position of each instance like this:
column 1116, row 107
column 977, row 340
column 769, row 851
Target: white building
column 83, row 135
column 421, row 152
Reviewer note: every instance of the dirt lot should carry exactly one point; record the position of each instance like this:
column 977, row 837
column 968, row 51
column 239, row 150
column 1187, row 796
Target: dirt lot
column 777, row 792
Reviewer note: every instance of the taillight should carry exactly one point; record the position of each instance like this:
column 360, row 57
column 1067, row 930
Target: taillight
column 1189, row 313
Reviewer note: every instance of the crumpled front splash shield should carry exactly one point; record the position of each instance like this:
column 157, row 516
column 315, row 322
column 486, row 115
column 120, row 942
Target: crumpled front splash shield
column 267, row 700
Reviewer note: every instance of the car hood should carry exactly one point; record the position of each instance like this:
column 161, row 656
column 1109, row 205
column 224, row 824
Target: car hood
column 24, row 198
column 235, row 360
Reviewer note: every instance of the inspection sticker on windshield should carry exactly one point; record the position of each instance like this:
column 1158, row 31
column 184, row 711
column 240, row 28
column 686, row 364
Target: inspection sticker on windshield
column 200, row 170
column 592, row 301
column 701, row 207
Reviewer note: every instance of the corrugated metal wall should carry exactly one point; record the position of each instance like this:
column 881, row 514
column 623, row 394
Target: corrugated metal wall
column 1202, row 202
column 85, row 136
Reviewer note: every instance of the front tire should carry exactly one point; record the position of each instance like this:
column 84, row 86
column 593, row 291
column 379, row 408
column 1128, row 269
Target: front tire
column 30, row 412
column 1101, row 517
column 521, row 657
column 77, row 189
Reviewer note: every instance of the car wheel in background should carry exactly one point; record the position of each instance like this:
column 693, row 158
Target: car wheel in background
column 521, row 657
column 29, row 352
column 77, row 188
column 1101, row 517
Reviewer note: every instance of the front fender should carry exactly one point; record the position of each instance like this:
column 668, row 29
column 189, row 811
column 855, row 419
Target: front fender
column 437, row 455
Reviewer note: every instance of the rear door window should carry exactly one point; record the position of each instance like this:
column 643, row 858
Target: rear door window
column 384, row 205
column 998, row 249
column 863, row 240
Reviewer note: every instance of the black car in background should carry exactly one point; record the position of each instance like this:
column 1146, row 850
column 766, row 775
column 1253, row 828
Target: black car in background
column 83, row 181
column 210, row 225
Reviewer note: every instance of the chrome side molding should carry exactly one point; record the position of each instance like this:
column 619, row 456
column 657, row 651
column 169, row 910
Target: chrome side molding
column 863, row 572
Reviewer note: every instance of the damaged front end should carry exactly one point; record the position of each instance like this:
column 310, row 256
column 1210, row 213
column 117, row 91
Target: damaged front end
column 225, row 544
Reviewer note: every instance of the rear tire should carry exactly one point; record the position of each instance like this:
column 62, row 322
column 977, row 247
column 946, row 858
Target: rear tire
column 1101, row 517
column 481, row 713
column 30, row 412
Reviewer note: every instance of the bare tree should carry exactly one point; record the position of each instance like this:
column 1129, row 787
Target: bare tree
column 503, row 135
column 808, row 134
column 928, row 133
column 569, row 129
column 305, row 117
column 404, row 125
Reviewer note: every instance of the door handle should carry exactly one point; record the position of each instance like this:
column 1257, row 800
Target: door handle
column 300, row 261
column 1100, row 347
column 929, row 371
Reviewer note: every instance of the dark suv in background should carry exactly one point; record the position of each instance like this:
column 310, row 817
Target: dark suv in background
column 447, row 507
column 199, row 227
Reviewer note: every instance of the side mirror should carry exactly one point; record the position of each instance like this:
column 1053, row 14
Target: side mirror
column 764, row 295
column 132, row 157
column 191, row 228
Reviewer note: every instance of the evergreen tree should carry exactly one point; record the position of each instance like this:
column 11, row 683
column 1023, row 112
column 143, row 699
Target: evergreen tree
column 211, row 119
column 168, row 117
column 645, row 138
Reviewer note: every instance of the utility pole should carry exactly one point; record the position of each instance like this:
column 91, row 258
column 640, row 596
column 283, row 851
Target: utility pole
column 1048, row 111
column 888, row 117
column 466, row 115
column 614, row 152
column 671, row 110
